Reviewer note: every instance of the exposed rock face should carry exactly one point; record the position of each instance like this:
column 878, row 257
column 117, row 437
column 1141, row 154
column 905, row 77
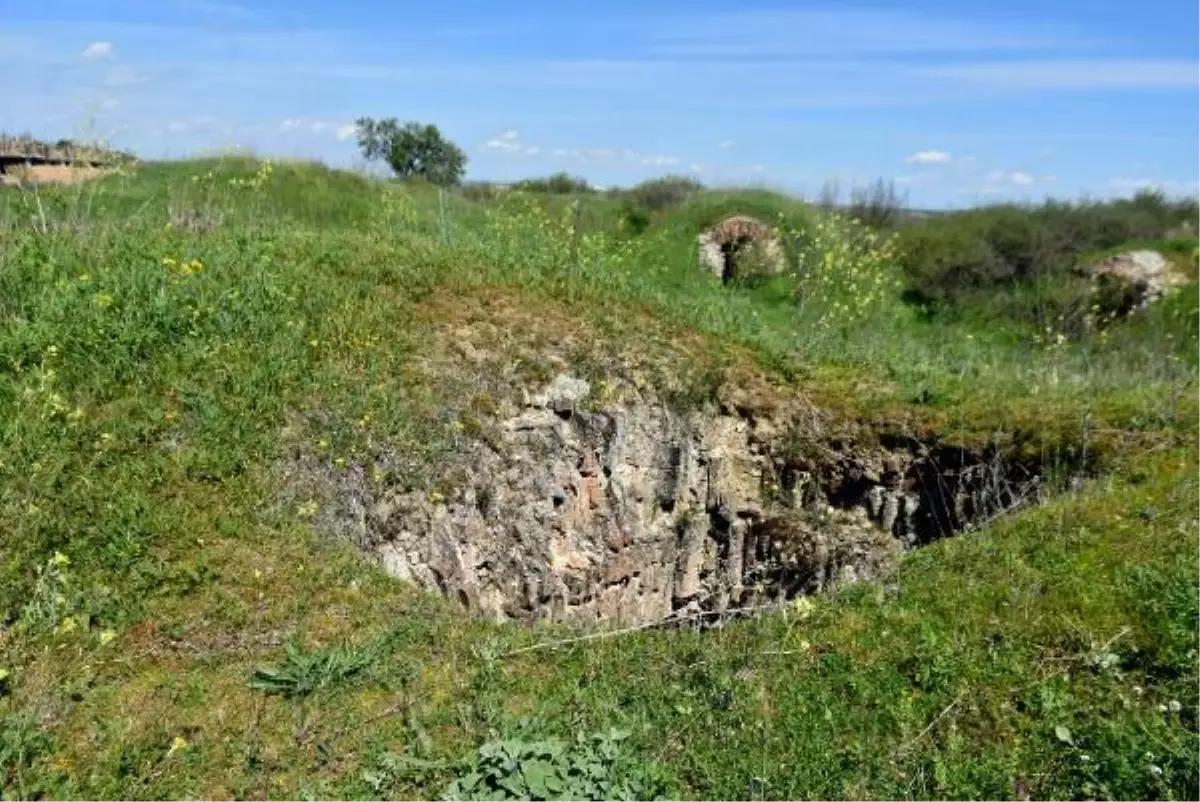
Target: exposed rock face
column 1145, row 276
column 630, row 514
column 721, row 245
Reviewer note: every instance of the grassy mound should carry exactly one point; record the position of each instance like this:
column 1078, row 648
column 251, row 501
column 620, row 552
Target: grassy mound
column 172, row 627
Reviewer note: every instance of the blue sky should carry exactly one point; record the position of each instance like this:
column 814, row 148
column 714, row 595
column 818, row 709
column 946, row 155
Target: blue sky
column 958, row 102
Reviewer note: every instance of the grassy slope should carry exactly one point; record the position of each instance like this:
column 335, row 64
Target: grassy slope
column 142, row 408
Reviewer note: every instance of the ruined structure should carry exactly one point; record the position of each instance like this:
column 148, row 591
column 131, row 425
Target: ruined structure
column 637, row 513
column 1139, row 277
column 721, row 247
column 25, row 159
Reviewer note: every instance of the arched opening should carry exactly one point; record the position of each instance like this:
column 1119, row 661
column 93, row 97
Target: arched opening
column 730, row 250
column 739, row 248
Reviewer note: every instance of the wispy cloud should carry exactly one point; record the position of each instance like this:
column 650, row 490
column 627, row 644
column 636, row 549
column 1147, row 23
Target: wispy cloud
column 659, row 161
column 193, row 124
column 1171, row 186
column 1001, row 181
column 510, row 142
column 231, row 11
column 98, row 50
column 505, row 141
column 1072, row 74
column 929, row 157
column 726, row 144
column 122, row 75
column 1016, row 178
column 840, row 32
column 341, row 131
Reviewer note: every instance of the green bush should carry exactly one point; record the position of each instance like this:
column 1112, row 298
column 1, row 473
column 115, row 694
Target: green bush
column 662, row 193
column 877, row 205
column 557, row 184
column 951, row 256
column 635, row 217
column 945, row 263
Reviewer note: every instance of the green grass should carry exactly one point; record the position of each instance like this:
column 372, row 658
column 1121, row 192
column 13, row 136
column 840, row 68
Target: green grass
column 174, row 625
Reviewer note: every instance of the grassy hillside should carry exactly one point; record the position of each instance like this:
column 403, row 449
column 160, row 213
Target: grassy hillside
column 174, row 625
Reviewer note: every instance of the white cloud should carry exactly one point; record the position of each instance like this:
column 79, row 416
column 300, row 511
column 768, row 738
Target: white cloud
column 1046, row 152
column 98, row 50
column 726, row 144
column 929, row 157
column 698, row 168
column 507, row 140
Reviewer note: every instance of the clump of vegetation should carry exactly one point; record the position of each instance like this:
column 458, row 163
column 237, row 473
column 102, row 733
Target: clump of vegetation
column 877, row 205
column 659, row 194
column 556, row 184
column 412, row 150
column 953, row 256
column 652, row 198
column 596, row 767
column 303, row 673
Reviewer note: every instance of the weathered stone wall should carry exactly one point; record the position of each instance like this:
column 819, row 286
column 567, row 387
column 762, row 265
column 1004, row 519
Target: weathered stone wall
column 630, row 514
column 1147, row 275
column 738, row 232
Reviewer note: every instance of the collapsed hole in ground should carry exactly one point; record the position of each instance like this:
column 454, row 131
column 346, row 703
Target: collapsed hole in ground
column 640, row 515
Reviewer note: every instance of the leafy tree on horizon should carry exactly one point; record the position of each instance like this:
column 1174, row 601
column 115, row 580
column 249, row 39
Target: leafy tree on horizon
column 412, row 150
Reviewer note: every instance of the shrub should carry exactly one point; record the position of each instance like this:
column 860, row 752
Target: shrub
column 945, row 262
column 557, row 184
column 481, row 191
column 1023, row 242
column 876, row 205
column 952, row 255
column 635, row 217
column 657, row 194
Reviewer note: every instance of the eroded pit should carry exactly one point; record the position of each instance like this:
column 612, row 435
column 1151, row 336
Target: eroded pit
column 635, row 513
